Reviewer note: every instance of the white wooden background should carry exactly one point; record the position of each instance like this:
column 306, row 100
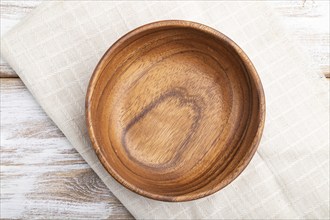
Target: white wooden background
column 42, row 176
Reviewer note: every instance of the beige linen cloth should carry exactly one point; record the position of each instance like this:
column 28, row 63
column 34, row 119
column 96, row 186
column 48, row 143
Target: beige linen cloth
column 55, row 49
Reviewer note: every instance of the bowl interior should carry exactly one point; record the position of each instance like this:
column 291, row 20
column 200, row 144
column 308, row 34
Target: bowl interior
column 174, row 111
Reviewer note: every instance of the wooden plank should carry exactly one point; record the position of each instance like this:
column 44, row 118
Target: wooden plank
column 42, row 175
column 308, row 22
column 11, row 13
column 307, row 19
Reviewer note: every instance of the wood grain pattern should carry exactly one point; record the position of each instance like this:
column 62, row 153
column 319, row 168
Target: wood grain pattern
column 11, row 13
column 27, row 122
column 307, row 20
column 42, row 176
column 175, row 110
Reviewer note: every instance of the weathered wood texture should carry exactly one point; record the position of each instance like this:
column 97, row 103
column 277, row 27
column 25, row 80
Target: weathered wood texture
column 42, row 176
column 11, row 13
column 308, row 20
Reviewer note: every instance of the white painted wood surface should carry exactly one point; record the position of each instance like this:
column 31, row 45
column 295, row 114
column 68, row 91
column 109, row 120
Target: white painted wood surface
column 307, row 19
column 11, row 13
column 42, row 176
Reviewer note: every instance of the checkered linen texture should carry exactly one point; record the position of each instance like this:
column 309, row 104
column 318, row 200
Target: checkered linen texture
column 55, row 49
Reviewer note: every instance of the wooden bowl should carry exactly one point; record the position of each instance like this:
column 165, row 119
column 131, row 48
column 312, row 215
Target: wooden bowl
column 175, row 110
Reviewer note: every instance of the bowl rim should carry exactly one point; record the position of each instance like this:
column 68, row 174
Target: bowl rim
column 254, row 79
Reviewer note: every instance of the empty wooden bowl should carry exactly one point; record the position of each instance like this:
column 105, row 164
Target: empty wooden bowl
column 175, row 110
